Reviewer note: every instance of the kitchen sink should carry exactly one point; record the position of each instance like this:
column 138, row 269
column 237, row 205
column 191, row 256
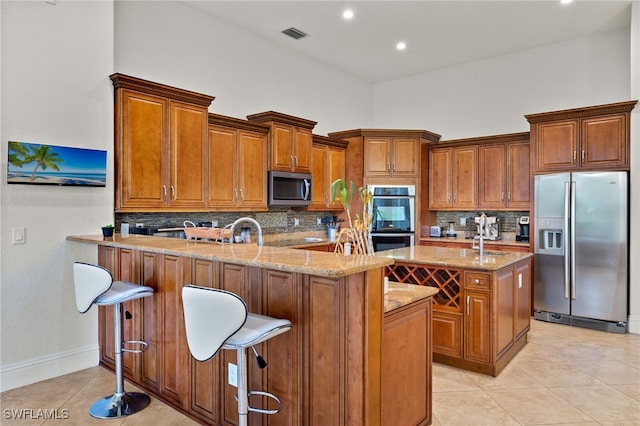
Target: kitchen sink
column 495, row 253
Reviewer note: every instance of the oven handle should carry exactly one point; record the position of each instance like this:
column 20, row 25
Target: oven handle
column 392, row 234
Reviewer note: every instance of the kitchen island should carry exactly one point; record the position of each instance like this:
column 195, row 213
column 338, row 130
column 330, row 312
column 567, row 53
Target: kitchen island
column 328, row 369
column 481, row 315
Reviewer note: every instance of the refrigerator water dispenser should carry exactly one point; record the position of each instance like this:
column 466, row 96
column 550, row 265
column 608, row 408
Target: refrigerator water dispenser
column 551, row 239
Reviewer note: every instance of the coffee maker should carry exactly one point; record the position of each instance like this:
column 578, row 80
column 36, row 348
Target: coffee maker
column 522, row 229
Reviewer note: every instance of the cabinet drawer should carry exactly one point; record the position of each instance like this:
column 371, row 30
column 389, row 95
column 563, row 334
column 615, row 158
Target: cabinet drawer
column 477, row 280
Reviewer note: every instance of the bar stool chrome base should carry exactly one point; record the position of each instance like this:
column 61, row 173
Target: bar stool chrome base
column 119, row 405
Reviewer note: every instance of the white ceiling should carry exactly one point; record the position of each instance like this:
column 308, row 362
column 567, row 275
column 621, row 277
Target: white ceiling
column 439, row 34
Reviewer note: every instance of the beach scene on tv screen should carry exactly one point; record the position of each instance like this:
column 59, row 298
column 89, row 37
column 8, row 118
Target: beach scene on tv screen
column 31, row 163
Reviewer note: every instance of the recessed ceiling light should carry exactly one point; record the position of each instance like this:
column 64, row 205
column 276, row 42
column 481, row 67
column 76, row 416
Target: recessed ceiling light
column 401, row 45
column 347, row 14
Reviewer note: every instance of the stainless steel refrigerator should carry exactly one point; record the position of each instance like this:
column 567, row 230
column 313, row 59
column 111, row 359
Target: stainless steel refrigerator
column 581, row 249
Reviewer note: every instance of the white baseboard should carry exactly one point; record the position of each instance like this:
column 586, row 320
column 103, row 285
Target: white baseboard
column 633, row 325
column 47, row 367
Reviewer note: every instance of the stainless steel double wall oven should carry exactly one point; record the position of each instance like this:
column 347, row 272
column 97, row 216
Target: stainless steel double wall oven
column 393, row 216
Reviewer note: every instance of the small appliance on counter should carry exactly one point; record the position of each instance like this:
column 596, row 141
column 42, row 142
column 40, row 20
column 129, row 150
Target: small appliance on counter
column 435, row 231
column 522, row 229
column 492, row 228
column 451, row 231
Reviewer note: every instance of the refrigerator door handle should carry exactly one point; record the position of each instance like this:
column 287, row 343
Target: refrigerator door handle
column 573, row 241
column 567, row 199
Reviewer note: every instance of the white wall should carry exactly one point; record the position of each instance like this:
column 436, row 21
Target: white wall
column 176, row 45
column 492, row 96
column 55, row 90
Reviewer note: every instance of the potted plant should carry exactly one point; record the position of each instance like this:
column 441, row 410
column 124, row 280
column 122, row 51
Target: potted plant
column 355, row 239
column 107, row 231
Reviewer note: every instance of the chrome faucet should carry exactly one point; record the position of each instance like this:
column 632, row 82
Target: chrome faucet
column 260, row 241
column 482, row 225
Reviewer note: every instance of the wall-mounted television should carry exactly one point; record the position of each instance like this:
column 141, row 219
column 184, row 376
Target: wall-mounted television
column 32, row 163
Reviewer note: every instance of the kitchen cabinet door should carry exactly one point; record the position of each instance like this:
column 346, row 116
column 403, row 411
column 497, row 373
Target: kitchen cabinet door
column 142, row 151
column 188, row 156
column 557, row 145
column 493, row 176
column 465, row 177
column 522, row 287
column 377, row 160
column 518, row 175
column 604, row 142
column 477, row 326
column 440, row 172
column 252, row 170
column 328, row 164
column 302, row 141
column 222, row 167
column 282, row 147
column 406, row 157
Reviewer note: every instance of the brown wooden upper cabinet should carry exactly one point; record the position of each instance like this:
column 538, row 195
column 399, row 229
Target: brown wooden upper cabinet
column 504, row 173
column 588, row 138
column 290, row 141
column 160, row 146
column 391, row 156
column 327, row 164
column 237, row 164
column 489, row 172
column 453, row 178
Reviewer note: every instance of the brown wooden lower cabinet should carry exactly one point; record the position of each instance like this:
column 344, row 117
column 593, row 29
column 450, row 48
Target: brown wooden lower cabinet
column 326, row 369
column 406, row 366
column 480, row 318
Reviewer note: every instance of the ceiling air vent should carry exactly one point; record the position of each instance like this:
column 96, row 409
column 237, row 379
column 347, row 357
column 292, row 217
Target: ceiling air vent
column 294, row 33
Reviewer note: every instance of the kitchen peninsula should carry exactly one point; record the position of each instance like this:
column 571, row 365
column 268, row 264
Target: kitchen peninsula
column 481, row 313
column 328, row 370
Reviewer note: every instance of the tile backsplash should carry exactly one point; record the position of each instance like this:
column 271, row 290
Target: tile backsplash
column 508, row 220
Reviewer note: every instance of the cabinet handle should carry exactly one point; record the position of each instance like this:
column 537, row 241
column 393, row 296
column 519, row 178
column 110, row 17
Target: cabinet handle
column 164, row 192
column 326, row 199
column 502, row 196
column 454, row 197
column 574, row 156
column 467, row 305
column 235, row 195
column 241, row 195
column 476, row 281
column 296, row 160
column 291, row 161
column 394, row 167
column 509, row 196
column 388, row 167
column 173, row 193
column 583, row 155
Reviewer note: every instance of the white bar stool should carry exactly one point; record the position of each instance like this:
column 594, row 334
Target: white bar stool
column 217, row 319
column 94, row 285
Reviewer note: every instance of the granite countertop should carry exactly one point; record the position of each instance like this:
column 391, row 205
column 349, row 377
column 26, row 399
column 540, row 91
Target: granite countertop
column 279, row 258
column 508, row 239
column 400, row 295
column 454, row 257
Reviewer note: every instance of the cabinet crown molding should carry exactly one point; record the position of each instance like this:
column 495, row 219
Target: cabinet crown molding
column 423, row 134
column 122, row 81
column 619, row 107
column 485, row 140
column 268, row 116
column 326, row 140
column 238, row 123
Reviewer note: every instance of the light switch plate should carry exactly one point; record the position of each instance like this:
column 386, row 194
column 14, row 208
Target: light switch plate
column 19, row 235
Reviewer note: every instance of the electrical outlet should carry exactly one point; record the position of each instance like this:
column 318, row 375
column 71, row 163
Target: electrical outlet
column 233, row 374
column 519, row 280
column 296, row 221
column 319, row 221
column 463, row 221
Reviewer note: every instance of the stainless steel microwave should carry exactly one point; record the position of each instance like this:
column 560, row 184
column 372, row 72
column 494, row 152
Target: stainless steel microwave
column 289, row 189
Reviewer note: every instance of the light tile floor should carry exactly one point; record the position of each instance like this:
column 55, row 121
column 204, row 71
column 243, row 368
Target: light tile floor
column 565, row 375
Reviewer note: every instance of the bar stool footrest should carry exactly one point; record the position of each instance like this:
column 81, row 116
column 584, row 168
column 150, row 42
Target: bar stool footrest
column 142, row 343
column 264, row 410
